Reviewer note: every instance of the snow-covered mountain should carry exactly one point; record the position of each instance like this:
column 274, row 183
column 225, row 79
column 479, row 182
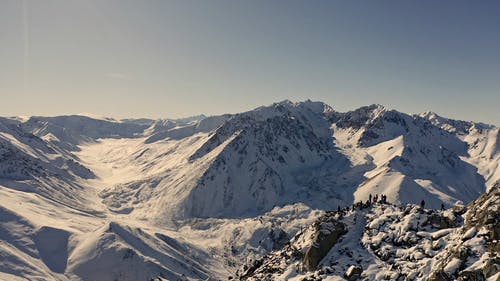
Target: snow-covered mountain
column 197, row 197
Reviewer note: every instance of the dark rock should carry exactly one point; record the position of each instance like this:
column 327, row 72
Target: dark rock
column 440, row 276
column 474, row 275
column 248, row 272
column 279, row 238
column 462, row 253
column 491, row 267
column 325, row 237
column 459, row 210
column 441, row 222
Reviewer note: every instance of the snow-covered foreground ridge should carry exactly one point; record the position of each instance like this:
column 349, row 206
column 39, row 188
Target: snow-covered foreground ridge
column 389, row 242
column 102, row 199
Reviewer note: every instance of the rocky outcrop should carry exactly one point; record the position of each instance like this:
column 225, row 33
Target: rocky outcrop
column 405, row 242
column 485, row 212
column 440, row 275
column 306, row 249
column 353, row 273
column 473, row 275
column 326, row 236
column 481, row 227
column 440, row 221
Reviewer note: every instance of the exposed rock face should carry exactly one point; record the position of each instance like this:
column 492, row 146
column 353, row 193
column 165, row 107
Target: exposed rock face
column 439, row 221
column 485, row 212
column 390, row 242
column 491, row 266
column 327, row 234
column 480, row 230
column 439, row 276
column 306, row 249
column 353, row 273
column 475, row 275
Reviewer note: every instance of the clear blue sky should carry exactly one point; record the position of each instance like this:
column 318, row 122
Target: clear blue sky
column 157, row 58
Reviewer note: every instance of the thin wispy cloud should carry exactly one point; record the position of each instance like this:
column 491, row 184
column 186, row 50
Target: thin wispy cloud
column 116, row 75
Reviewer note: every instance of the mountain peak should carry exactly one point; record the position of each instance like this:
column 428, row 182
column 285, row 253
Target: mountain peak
column 375, row 109
column 314, row 106
column 97, row 117
column 214, row 192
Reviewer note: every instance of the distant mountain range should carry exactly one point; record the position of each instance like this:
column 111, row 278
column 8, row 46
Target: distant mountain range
column 197, row 197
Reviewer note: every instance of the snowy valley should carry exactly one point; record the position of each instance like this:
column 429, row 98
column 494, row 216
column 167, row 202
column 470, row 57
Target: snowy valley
column 246, row 195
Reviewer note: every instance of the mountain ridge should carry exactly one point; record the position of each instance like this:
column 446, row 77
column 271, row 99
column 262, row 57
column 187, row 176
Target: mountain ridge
column 229, row 187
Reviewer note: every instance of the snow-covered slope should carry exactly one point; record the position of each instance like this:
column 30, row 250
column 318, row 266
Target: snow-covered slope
column 195, row 198
column 421, row 160
column 389, row 242
column 483, row 144
column 306, row 152
column 31, row 164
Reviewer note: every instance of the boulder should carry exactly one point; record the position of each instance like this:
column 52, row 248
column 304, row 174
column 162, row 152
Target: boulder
column 440, row 276
column 491, row 267
column 353, row 273
column 473, row 275
column 324, row 238
column 439, row 221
